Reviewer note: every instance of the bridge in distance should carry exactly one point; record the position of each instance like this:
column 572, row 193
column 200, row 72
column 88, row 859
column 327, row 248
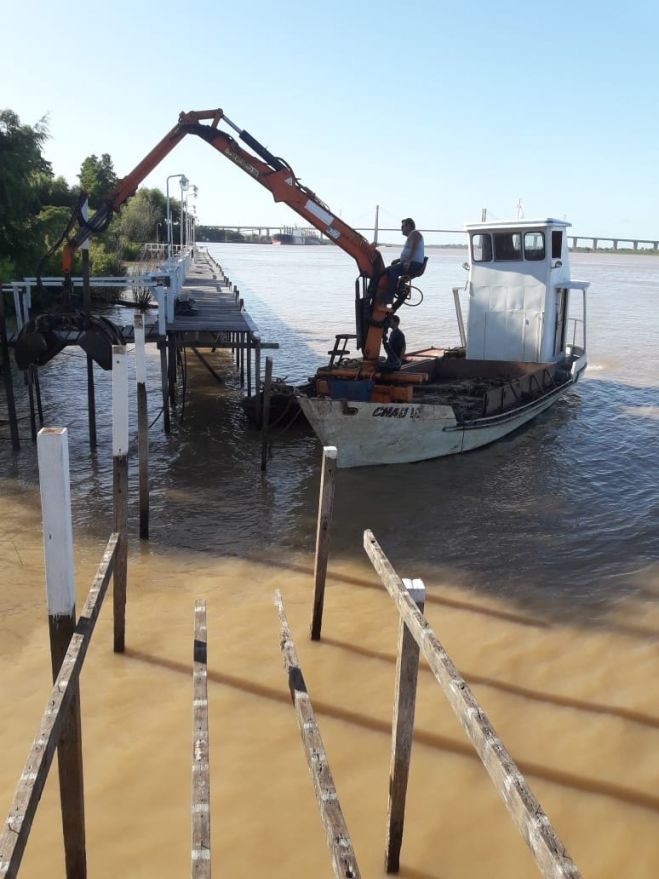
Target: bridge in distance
column 597, row 242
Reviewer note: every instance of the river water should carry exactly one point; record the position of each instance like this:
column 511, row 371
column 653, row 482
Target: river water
column 540, row 558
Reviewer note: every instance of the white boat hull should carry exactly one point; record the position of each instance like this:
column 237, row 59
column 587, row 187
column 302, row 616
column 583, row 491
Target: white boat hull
column 400, row 433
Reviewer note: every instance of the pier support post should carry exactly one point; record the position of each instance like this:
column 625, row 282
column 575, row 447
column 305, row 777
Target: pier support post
column 87, row 306
column 249, row 365
column 325, row 504
column 162, row 347
column 407, row 669
column 6, row 375
column 120, row 490
column 257, row 365
column 265, row 413
column 53, row 457
column 29, row 381
column 201, row 819
column 142, row 426
column 171, row 368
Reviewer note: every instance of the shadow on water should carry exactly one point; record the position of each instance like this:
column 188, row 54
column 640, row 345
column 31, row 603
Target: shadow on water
column 442, row 743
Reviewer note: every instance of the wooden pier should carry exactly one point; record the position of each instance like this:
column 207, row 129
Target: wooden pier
column 197, row 308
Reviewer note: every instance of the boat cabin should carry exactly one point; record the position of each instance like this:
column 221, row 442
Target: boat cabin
column 519, row 292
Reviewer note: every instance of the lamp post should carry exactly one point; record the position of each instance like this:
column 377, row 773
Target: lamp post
column 185, row 232
column 184, row 185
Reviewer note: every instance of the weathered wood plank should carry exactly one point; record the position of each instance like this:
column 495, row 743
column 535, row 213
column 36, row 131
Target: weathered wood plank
column 549, row 853
column 344, row 863
column 31, row 782
column 325, row 505
column 201, row 819
column 407, row 670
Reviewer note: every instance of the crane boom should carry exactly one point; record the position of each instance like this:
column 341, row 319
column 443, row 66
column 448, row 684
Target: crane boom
column 277, row 176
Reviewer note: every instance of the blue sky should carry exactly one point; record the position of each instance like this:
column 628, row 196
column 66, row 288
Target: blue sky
column 429, row 109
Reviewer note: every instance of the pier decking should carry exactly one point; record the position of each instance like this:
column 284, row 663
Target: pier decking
column 196, row 306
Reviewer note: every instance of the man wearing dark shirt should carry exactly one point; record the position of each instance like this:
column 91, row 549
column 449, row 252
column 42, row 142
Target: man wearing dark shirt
column 394, row 345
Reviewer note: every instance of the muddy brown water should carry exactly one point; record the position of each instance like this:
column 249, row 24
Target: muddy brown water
column 540, row 557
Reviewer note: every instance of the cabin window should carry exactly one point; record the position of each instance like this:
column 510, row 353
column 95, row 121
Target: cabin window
column 481, row 248
column 507, row 246
column 534, row 245
column 556, row 245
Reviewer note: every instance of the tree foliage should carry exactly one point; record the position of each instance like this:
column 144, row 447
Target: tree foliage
column 22, row 168
column 97, row 178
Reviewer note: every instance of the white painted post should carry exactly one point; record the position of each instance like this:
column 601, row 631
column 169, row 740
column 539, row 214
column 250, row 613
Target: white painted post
column 54, row 484
column 142, row 426
column 120, row 489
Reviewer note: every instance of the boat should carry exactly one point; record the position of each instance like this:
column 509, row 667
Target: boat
column 523, row 348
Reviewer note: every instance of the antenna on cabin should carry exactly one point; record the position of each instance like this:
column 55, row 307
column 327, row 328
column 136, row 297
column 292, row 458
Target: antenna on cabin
column 520, row 209
column 375, row 228
column 483, row 215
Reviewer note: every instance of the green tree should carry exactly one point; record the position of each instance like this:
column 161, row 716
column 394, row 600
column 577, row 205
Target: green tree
column 97, row 178
column 140, row 216
column 22, row 168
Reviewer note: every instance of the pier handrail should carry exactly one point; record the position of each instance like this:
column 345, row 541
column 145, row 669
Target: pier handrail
column 33, row 778
column 548, row 852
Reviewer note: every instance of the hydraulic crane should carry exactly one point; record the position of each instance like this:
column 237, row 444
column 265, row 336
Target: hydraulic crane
column 274, row 174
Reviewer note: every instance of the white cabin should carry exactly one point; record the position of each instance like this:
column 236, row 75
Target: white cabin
column 519, row 283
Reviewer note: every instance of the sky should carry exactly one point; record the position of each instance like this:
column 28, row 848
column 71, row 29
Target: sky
column 426, row 108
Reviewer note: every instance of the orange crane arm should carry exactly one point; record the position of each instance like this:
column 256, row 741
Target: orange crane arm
column 268, row 170
column 275, row 175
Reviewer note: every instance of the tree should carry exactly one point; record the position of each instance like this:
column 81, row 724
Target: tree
column 97, row 178
column 140, row 216
column 22, row 167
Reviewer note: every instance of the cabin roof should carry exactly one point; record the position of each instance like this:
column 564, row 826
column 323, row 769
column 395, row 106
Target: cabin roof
column 518, row 224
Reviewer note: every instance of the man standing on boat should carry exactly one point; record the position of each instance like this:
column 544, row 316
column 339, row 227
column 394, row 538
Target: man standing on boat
column 394, row 345
column 411, row 258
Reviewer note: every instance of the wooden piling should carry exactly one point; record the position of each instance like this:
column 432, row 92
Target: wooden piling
column 6, row 375
column 548, row 852
column 54, row 482
column 265, row 413
column 201, row 820
column 248, row 353
column 325, row 504
column 29, row 380
column 16, row 828
column 407, row 668
column 120, row 489
column 142, row 426
column 162, row 347
column 171, row 368
column 87, row 306
column 257, row 364
column 37, row 393
column 344, row 863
